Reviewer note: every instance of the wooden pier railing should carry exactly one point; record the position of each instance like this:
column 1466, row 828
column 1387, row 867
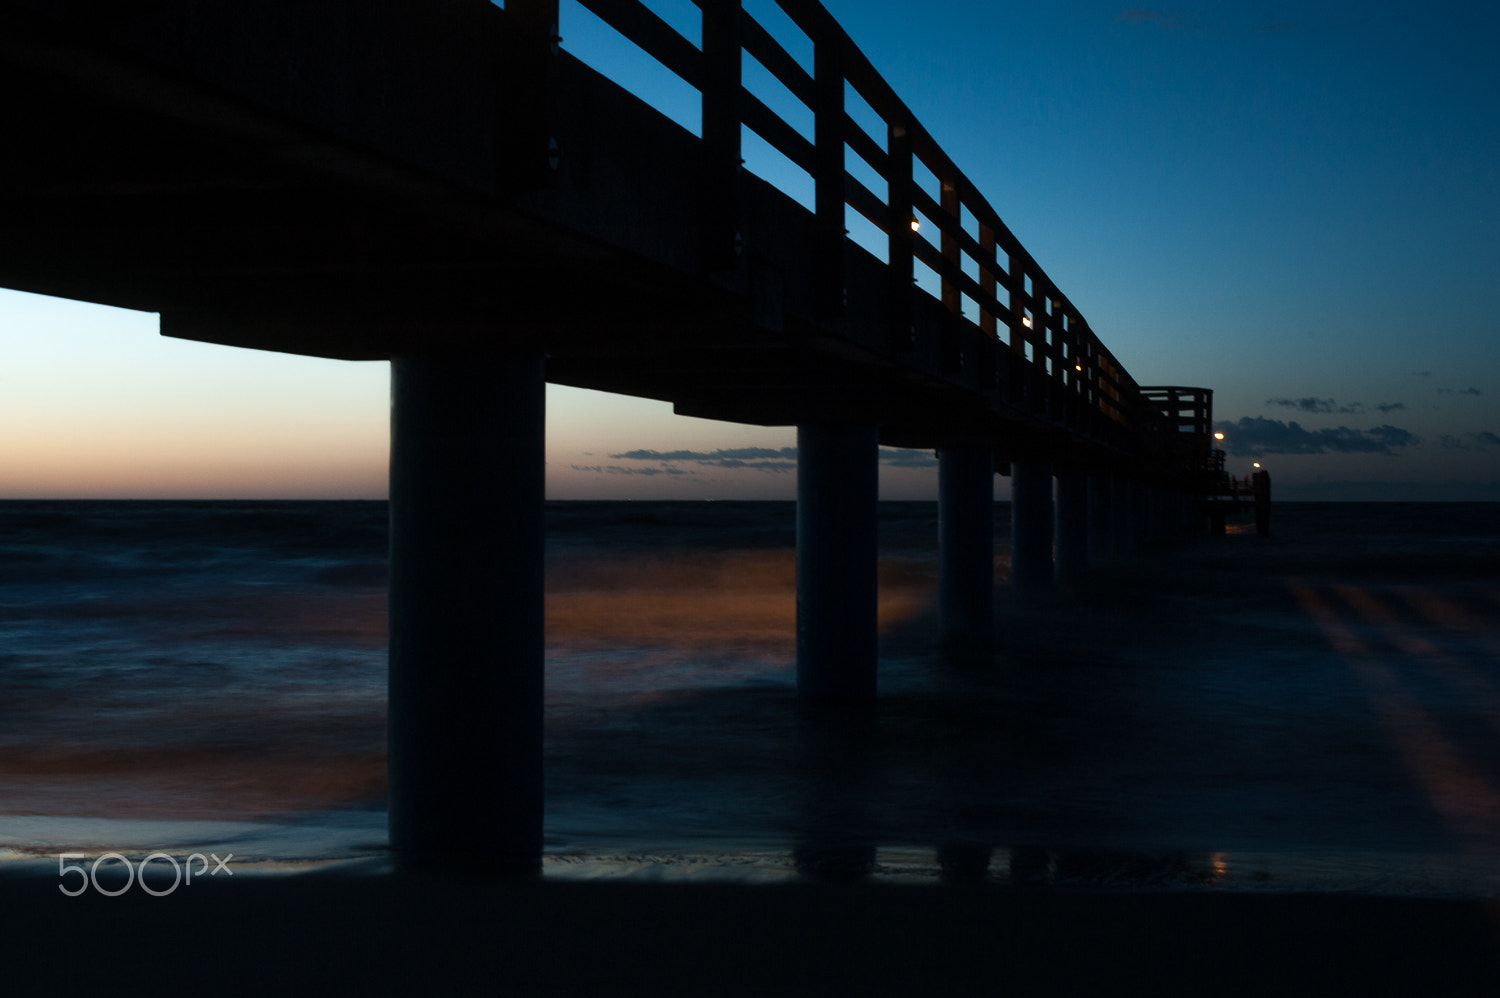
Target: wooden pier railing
column 1047, row 362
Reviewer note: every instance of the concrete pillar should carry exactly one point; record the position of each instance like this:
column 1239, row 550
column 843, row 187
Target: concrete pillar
column 966, row 542
column 465, row 705
column 1120, row 498
column 1030, row 527
column 1137, row 508
column 837, row 489
column 1262, row 482
column 1072, row 526
column 1101, row 519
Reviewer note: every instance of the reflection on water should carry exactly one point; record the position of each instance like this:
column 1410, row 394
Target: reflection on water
column 1024, row 867
column 1316, row 710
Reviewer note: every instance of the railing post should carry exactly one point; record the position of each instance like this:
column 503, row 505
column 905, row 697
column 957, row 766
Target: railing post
column 1016, row 268
column 949, row 247
column 723, row 246
column 899, row 233
column 1053, row 334
column 952, row 353
column 1021, row 334
column 987, row 282
column 828, row 176
column 533, row 155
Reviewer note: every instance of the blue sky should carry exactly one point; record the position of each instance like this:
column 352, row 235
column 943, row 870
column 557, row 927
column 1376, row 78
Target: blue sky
column 1295, row 205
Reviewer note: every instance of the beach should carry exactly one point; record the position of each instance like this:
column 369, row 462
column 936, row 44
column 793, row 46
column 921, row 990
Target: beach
column 321, row 934
column 1226, row 764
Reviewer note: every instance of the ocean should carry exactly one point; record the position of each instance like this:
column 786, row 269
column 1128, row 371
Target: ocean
column 1317, row 710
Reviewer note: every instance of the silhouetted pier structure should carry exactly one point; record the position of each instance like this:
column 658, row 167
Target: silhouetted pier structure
column 440, row 184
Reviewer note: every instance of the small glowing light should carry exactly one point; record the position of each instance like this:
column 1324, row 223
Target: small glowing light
column 1257, row 464
column 916, row 223
column 1026, row 321
column 1218, row 436
column 1078, row 367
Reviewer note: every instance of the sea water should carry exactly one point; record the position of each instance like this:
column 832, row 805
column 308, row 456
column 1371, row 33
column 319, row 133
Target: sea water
column 1316, row 710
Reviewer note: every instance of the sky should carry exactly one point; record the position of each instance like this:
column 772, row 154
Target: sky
column 1295, row 205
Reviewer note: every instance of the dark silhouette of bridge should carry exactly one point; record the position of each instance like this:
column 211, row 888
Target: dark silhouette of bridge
column 437, row 182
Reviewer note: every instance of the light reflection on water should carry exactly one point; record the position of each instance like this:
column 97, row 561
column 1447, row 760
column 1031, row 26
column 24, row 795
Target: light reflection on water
column 1032, row 867
column 1309, row 713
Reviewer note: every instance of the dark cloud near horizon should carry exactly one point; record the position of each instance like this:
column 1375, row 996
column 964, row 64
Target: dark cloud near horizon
column 722, row 454
column 615, row 469
column 1483, row 440
column 1316, row 405
column 779, row 460
column 904, row 457
column 775, row 460
column 1460, row 391
column 1253, row 436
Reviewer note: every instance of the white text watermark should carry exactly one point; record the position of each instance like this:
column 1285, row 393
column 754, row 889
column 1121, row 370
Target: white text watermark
column 136, row 874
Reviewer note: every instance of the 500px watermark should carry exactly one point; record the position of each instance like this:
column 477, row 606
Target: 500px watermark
column 90, row 874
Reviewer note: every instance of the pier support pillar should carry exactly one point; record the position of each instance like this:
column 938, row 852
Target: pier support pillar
column 837, row 489
column 1262, row 482
column 466, row 536
column 966, row 542
column 1030, row 527
column 1120, row 511
column 1101, row 520
column 1072, row 526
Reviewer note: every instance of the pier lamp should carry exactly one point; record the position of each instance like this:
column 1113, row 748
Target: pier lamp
column 1218, row 436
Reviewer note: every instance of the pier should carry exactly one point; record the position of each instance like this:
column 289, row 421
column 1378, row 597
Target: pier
column 440, row 184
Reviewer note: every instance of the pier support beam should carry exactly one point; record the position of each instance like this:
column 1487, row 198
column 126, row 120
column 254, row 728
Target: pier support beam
column 465, row 708
column 1072, row 526
column 966, row 543
column 1030, row 528
column 837, row 489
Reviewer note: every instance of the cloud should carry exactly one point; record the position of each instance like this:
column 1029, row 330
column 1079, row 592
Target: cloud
column 781, row 460
column 903, row 457
column 1484, row 440
column 723, row 454
column 1459, row 391
column 1316, row 405
column 1254, row 436
column 615, row 469
column 775, row 460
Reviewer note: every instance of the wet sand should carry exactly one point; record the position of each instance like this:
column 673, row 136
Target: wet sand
column 1377, row 737
column 326, row 934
